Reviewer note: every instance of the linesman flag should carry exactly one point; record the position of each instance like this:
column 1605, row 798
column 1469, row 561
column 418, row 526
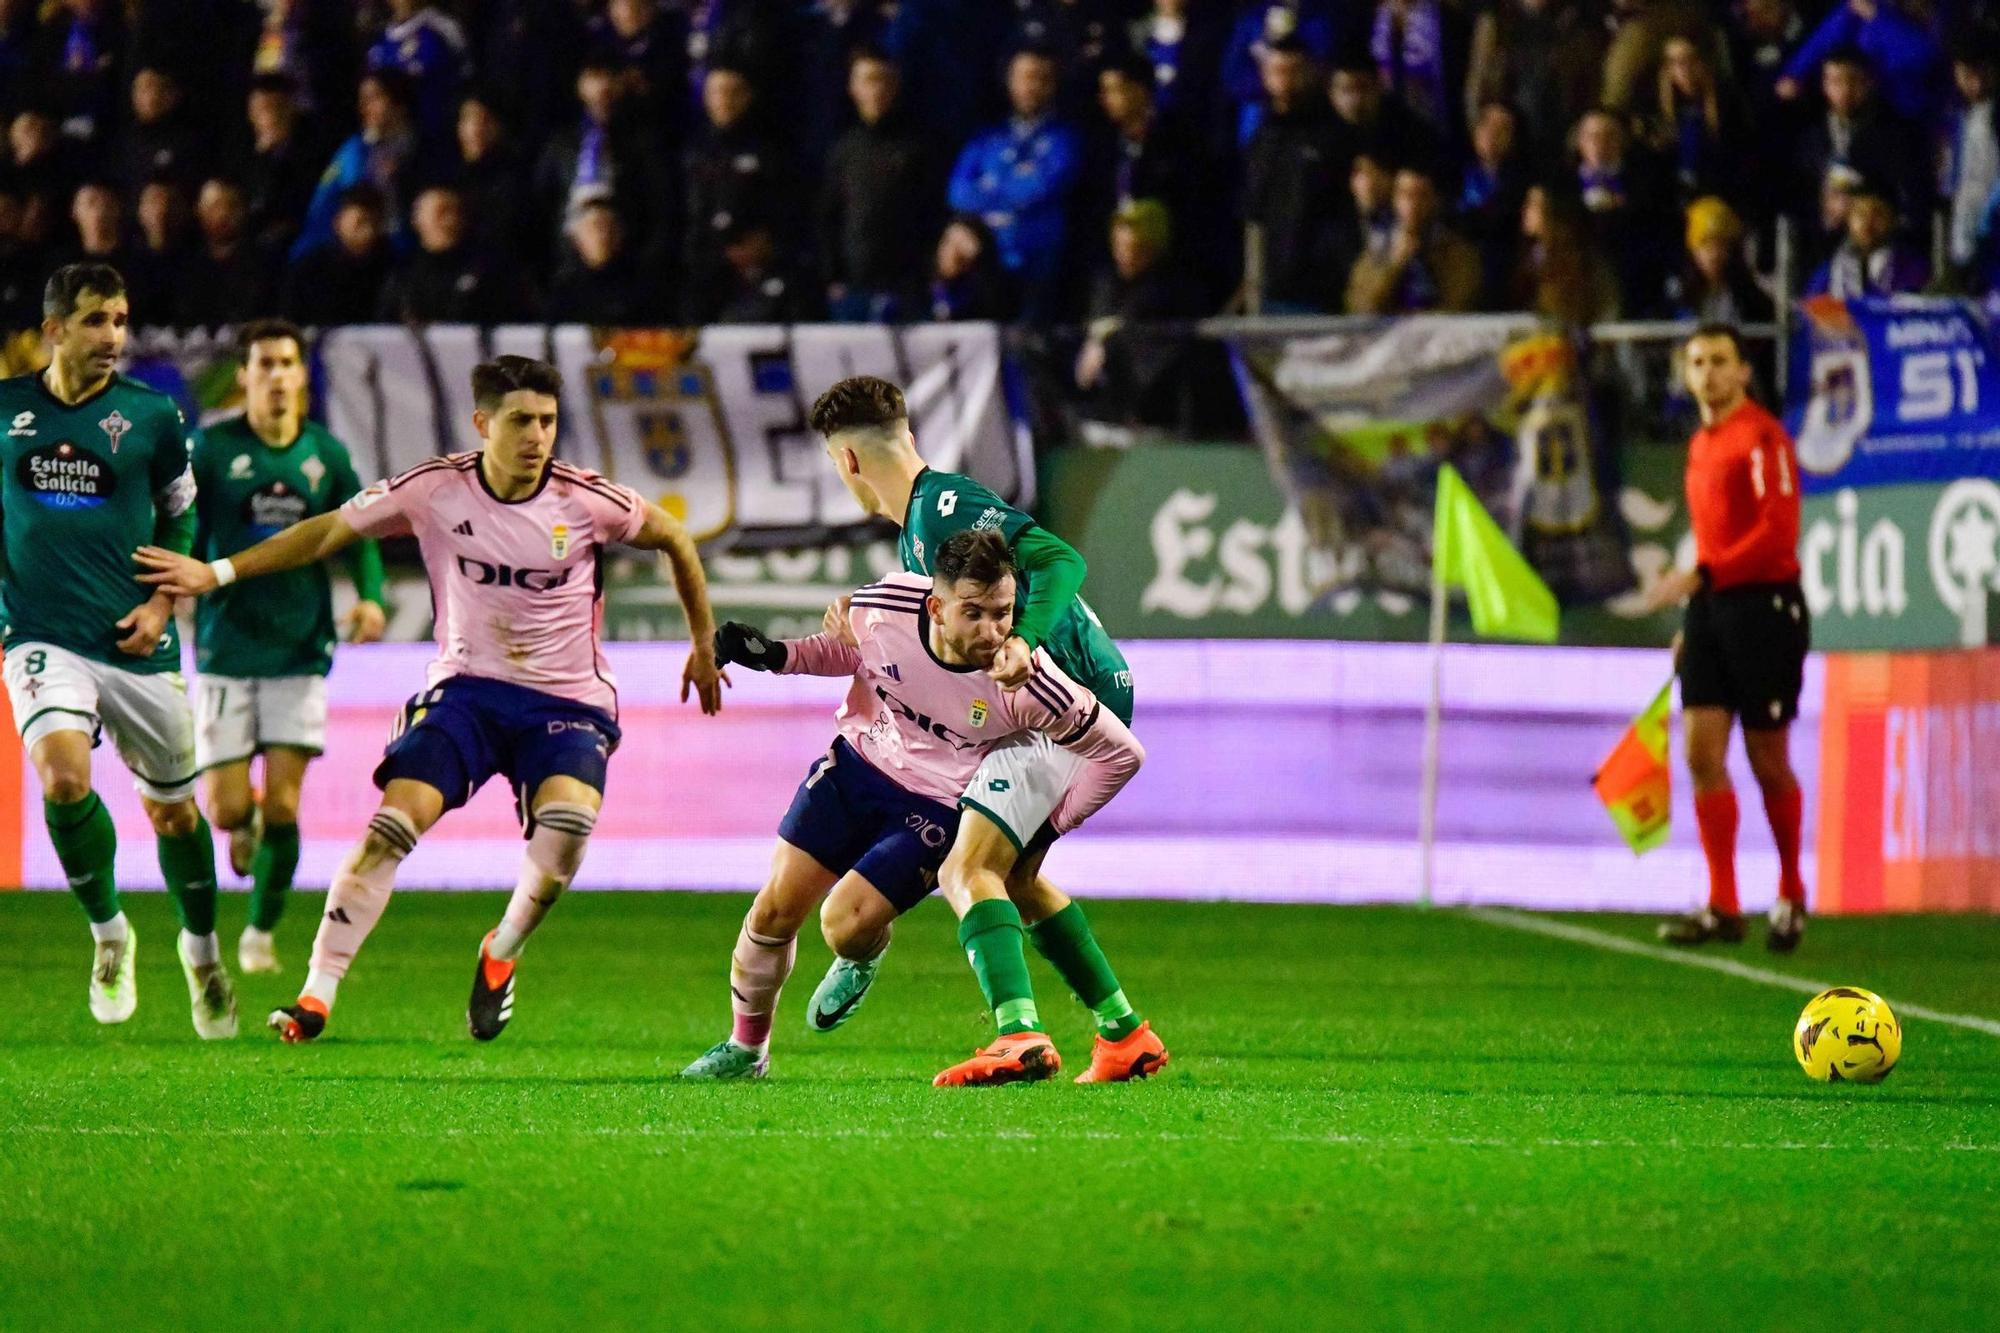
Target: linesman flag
column 1634, row 782
column 1507, row 598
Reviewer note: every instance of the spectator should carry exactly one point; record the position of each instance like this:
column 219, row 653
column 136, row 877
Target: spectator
column 1146, row 153
column 427, row 47
column 602, row 154
column 1560, row 274
column 532, row 51
column 20, row 28
column 1419, row 51
column 1764, row 35
column 1367, row 120
column 946, row 49
column 1183, row 43
column 1289, row 189
column 649, row 49
column 1368, row 224
column 1855, row 141
column 759, row 39
column 1870, row 262
column 310, row 46
column 1697, row 128
column 153, row 265
column 753, row 285
column 1425, row 266
column 1541, row 57
column 81, row 62
column 733, row 171
column 1491, row 191
column 340, row 281
column 1307, row 27
column 229, row 279
column 1020, row 178
column 968, row 281
column 1622, row 208
column 159, row 141
column 600, row 282
column 877, row 209
column 1900, row 50
column 494, row 181
column 281, row 167
column 1128, row 370
column 40, row 165
column 387, row 152
column 835, row 32
column 1715, row 285
column 98, row 215
column 1972, row 157
column 446, row 279
column 1639, row 33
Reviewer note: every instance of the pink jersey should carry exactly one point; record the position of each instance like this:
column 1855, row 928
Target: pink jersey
column 514, row 584
column 927, row 725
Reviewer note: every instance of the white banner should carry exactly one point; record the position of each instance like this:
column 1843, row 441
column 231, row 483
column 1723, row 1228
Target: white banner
column 711, row 423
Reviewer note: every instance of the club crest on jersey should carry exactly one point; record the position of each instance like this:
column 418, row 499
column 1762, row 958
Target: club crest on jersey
column 559, row 541
column 315, row 472
column 114, row 427
column 978, row 715
column 24, row 424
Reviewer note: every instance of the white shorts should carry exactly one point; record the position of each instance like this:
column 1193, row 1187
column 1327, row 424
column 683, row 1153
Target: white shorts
column 1020, row 783
column 241, row 716
column 53, row 689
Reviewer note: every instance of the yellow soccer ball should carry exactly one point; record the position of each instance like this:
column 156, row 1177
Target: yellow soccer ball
column 1847, row 1035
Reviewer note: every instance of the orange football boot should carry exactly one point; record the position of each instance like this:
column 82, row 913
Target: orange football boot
column 1139, row 1055
column 300, row 1022
column 1019, row 1057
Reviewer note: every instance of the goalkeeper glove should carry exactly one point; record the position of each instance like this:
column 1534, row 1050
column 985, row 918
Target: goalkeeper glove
column 737, row 642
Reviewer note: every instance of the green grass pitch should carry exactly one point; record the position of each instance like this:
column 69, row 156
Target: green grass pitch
column 1374, row 1118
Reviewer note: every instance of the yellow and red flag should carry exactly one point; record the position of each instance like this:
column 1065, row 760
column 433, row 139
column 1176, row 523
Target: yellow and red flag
column 1633, row 781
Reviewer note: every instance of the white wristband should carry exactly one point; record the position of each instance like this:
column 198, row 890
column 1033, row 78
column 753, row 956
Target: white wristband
column 224, row 570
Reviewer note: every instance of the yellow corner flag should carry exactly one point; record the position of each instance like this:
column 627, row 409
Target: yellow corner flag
column 1508, row 599
column 1634, row 782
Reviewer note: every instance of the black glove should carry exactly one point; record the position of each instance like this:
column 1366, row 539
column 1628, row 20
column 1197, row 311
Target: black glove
column 746, row 644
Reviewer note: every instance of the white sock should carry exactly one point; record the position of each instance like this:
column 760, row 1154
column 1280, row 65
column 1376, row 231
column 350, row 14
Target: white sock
column 321, row 985
column 114, row 931
column 202, row 950
column 252, row 935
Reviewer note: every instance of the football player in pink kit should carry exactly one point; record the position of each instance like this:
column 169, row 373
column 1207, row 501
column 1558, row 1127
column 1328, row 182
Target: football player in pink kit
column 879, row 808
column 510, row 538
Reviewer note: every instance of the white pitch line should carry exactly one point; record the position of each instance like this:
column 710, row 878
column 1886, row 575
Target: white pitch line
column 1604, row 939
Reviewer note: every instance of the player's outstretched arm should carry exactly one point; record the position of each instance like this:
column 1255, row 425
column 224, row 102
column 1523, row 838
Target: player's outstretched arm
column 301, row 544
column 1071, row 716
column 663, row 532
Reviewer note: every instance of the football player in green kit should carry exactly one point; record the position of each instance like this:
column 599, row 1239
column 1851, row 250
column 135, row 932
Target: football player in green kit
column 264, row 646
column 95, row 465
column 1003, row 833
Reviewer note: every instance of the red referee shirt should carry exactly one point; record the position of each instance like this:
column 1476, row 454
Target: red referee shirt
column 1743, row 499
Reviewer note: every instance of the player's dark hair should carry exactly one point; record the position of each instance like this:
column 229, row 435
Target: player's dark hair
column 268, row 330
column 976, row 555
column 860, row 401
column 495, row 379
column 68, row 285
column 1720, row 329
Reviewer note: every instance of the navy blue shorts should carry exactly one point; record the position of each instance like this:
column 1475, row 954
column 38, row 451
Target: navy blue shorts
column 850, row 815
column 457, row 734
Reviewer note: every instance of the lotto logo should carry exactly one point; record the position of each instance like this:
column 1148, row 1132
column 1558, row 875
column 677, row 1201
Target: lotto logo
column 999, row 784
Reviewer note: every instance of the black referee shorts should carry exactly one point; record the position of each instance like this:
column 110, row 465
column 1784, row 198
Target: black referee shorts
column 1744, row 649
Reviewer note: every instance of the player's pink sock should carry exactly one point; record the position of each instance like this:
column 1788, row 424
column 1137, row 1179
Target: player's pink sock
column 1786, row 811
column 360, row 891
column 1716, row 813
column 555, row 854
column 757, row 972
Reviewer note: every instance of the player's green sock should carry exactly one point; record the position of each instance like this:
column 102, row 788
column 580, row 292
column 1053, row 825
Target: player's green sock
column 86, row 843
column 1065, row 940
column 187, row 860
column 990, row 933
column 271, row 874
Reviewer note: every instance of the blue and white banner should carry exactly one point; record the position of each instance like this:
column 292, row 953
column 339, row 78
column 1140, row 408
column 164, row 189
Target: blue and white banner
column 1893, row 390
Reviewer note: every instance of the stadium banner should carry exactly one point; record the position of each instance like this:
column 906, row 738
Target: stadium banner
column 1890, row 391
column 1276, row 771
column 1196, row 541
column 1912, row 792
column 1355, row 424
column 1903, row 567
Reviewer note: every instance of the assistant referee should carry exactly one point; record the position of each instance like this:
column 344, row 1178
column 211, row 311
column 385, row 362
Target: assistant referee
column 1742, row 648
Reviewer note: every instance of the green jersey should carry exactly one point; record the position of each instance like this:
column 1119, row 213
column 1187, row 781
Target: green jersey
column 944, row 504
column 84, row 487
column 247, row 490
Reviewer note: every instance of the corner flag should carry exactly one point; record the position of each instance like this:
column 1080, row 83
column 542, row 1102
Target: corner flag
column 1507, row 598
column 1634, row 782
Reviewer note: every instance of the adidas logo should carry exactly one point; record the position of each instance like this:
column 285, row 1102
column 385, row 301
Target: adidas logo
column 464, row 529
column 339, row 914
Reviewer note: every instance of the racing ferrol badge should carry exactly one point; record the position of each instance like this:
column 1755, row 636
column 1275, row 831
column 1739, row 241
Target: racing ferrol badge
column 978, row 715
column 114, row 428
column 559, row 541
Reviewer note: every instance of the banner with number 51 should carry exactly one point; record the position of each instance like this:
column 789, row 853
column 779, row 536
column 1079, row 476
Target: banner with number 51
column 1892, row 390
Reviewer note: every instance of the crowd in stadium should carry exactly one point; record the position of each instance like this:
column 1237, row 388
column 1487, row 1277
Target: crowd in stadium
column 632, row 162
